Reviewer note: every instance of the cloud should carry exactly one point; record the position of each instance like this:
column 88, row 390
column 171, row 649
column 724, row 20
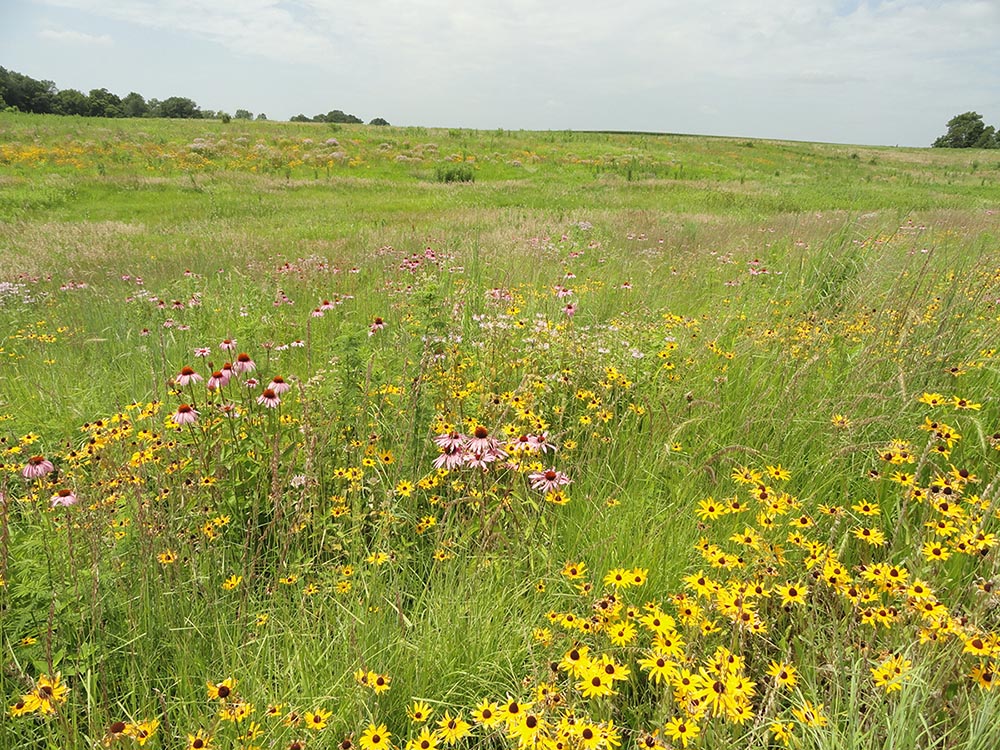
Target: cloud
column 75, row 37
column 809, row 67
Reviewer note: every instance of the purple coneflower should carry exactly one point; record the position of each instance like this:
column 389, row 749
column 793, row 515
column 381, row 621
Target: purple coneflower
column 451, row 440
column 484, row 443
column 188, row 375
column 63, row 499
column 37, row 466
column 316, row 313
column 377, row 325
column 228, row 344
column 202, row 351
column 450, row 458
column 480, row 460
column 549, row 480
column 218, row 380
column 268, row 398
column 244, row 363
column 541, row 442
column 185, row 414
column 278, row 385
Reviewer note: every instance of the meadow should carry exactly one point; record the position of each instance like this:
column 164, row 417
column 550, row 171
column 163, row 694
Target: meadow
column 627, row 441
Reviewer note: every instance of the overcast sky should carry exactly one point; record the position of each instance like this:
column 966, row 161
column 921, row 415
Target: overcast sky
column 875, row 72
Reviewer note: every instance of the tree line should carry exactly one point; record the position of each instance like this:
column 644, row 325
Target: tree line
column 26, row 94
column 968, row 130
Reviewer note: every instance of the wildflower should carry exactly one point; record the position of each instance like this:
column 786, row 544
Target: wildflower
column 785, row 675
column 792, row 594
column 419, row 712
column 50, row 692
column 782, row 732
column 268, row 398
column 377, row 325
column 63, row 499
column 37, row 466
column 167, row 557
column 185, row 414
column 427, row 740
column 452, row 440
column 660, row 667
column 682, row 730
column 379, row 682
column 452, row 728
column 279, row 385
column 574, row 570
column 143, row 731
column 316, row 720
column 376, row 738
column 811, row 715
column 232, row 582
column 187, row 376
column 985, row 675
column 199, row 741
column 223, row 690
column 243, row 364
column 595, row 685
column 487, row 713
column 549, row 480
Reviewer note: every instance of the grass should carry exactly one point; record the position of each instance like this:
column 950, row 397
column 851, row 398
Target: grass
column 684, row 318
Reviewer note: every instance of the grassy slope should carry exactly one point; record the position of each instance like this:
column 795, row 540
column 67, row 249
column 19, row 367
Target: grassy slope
column 886, row 258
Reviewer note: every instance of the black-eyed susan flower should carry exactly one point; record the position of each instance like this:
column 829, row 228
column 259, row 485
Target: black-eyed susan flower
column 682, row 729
column 375, row 738
column 487, row 713
column 316, row 720
column 223, row 690
column 451, row 729
column 199, row 741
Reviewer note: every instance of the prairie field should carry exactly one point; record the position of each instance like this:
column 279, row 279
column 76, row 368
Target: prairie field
column 320, row 437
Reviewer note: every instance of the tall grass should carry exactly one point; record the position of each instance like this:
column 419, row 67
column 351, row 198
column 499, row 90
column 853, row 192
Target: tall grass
column 730, row 359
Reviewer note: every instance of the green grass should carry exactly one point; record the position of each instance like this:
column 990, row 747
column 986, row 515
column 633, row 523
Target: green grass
column 738, row 305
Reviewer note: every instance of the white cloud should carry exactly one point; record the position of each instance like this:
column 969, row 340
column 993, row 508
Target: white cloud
column 74, row 37
column 637, row 63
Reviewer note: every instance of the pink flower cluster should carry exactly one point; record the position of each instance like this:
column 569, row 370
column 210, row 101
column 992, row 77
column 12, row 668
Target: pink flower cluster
column 481, row 449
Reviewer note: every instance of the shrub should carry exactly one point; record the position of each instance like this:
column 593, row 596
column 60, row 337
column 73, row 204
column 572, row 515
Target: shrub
column 454, row 173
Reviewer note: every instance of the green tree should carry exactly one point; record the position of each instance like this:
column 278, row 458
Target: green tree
column 134, row 105
column 967, row 130
column 72, row 102
column 26, row 93
column 179, row 107
column 261, row 116
column 243, row 114
column 104, row 104
column 379, row 121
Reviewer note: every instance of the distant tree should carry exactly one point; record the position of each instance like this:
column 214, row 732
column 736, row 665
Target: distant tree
column 179, row 107
column 338, row 116
column 300, row 118
column 261, row 116
column 134, row 105
column 379, row 121
column 224, row 116
column 967, row 130
column 72, row 102
column 104, row 104
column 26, row 93
column 243, row 114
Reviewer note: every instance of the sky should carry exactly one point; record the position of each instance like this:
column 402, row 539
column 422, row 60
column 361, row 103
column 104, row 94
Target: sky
column 878, row 72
